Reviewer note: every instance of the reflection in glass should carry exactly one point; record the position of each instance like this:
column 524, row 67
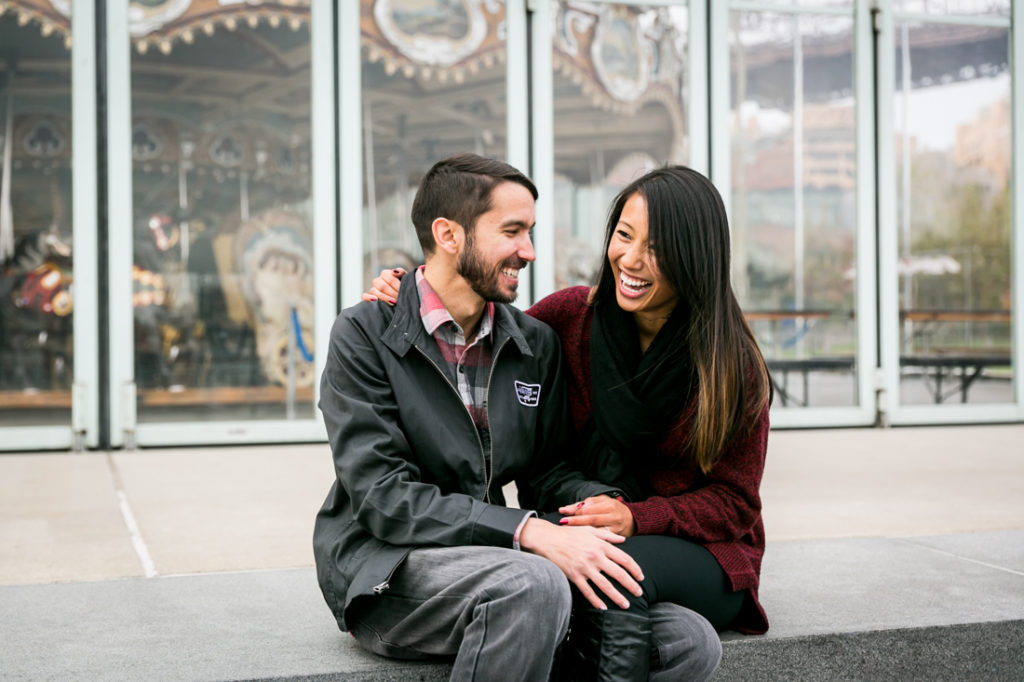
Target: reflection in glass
column 953, row 142
column 948, row 7
column 36, row 305
column 433, row 85
column 619, row 103
column 793, row 132
column 222, row 276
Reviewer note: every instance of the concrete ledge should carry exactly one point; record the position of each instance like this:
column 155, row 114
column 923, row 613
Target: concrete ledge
column 941, row 607
column 987, row 652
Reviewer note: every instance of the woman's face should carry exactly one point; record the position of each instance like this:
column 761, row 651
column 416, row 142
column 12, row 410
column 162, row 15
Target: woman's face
column 639, row 286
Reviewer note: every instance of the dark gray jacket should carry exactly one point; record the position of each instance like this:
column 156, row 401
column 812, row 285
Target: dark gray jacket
column 409, row 464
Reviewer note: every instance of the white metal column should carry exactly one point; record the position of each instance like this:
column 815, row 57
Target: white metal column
column 543, row 149
column 84, row 201
column 119, row 226
column 350, row 130
column 698, row 104
column 1017, row 197
column 324, row 186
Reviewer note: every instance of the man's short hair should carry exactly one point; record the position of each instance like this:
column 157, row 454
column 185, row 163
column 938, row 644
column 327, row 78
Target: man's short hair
column 459, row 188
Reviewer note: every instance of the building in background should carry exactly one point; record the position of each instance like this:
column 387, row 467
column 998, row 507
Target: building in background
column 191, row 190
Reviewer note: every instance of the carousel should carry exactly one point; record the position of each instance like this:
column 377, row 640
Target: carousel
column 221, row 147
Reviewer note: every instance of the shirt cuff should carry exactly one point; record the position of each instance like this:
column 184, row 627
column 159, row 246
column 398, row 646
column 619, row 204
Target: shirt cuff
column 519, row 529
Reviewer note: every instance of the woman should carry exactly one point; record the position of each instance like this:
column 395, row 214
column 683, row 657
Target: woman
column 669, row 392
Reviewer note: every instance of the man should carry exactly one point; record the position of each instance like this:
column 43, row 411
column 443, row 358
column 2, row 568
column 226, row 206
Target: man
column 431, row 407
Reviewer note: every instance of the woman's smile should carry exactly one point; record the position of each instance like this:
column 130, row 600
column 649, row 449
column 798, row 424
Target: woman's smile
column 640, row 289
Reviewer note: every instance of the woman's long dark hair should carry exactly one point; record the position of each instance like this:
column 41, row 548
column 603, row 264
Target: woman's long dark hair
column 689, row 237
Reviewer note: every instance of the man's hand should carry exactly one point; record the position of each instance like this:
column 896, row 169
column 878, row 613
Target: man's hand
column 585, row 554
column 385, row 286
column 601, row 511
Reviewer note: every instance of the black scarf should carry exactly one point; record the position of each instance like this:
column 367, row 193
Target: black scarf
column 638, row 396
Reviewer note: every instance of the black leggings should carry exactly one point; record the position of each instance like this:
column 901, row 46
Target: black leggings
column 678, row 571
column 684, row 573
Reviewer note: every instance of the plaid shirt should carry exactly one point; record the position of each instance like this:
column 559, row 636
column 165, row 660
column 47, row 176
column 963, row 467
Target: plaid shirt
column 470, row 364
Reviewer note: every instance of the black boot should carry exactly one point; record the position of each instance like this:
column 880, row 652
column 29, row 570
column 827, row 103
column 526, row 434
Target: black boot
column 607, row 646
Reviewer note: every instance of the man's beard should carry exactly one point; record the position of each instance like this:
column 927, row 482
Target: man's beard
column 471, row 267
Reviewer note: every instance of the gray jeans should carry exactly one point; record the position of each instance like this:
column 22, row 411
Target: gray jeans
column 503, row 613
column 500, row 612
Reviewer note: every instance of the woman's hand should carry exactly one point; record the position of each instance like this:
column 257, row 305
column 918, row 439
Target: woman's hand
column 601, row 511
column 385, row 286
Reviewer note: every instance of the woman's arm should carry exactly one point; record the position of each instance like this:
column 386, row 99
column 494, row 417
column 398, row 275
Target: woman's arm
column 725, row 507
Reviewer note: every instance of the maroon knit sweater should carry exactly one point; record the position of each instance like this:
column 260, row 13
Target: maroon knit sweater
column 720, row 510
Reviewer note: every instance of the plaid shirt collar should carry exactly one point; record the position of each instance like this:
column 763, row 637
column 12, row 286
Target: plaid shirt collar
column 434, row 315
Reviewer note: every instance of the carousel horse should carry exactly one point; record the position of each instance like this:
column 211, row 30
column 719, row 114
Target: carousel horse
column 276, row 263
column 35, row 311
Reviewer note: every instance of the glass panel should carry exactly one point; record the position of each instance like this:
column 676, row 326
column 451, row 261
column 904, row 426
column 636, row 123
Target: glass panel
column 433, row 85
column 999, row 8
column 36, row 305
column 223, row 275
column 952, row 121
column 794, row 218
column 620, row 95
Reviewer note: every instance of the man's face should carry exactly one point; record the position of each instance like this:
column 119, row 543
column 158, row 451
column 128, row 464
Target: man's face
column 499, row 245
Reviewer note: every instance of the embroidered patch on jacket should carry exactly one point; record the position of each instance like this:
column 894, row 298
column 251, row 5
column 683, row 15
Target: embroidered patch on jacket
column 527, row 394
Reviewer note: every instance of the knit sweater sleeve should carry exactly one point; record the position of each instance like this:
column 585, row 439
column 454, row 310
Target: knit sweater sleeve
column 559, row 309
column 723, row 506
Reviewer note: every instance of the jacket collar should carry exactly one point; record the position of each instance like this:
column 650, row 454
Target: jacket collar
column 406, row 327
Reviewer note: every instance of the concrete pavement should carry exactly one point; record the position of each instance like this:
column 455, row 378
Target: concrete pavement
column 69, row 517
column 892, row 554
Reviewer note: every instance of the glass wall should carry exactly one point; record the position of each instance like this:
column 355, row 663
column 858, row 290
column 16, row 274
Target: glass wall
column 620, row 97
column 793, row 186
column 433, row 84
column 222, row 276
column 952, row 124
column 864, row 148
column 36, row 277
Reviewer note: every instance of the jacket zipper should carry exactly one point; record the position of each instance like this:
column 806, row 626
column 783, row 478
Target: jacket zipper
column 382, row 586
column 488, row 470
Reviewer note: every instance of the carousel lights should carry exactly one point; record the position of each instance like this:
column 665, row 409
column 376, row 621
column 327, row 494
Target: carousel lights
column 254, row 20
